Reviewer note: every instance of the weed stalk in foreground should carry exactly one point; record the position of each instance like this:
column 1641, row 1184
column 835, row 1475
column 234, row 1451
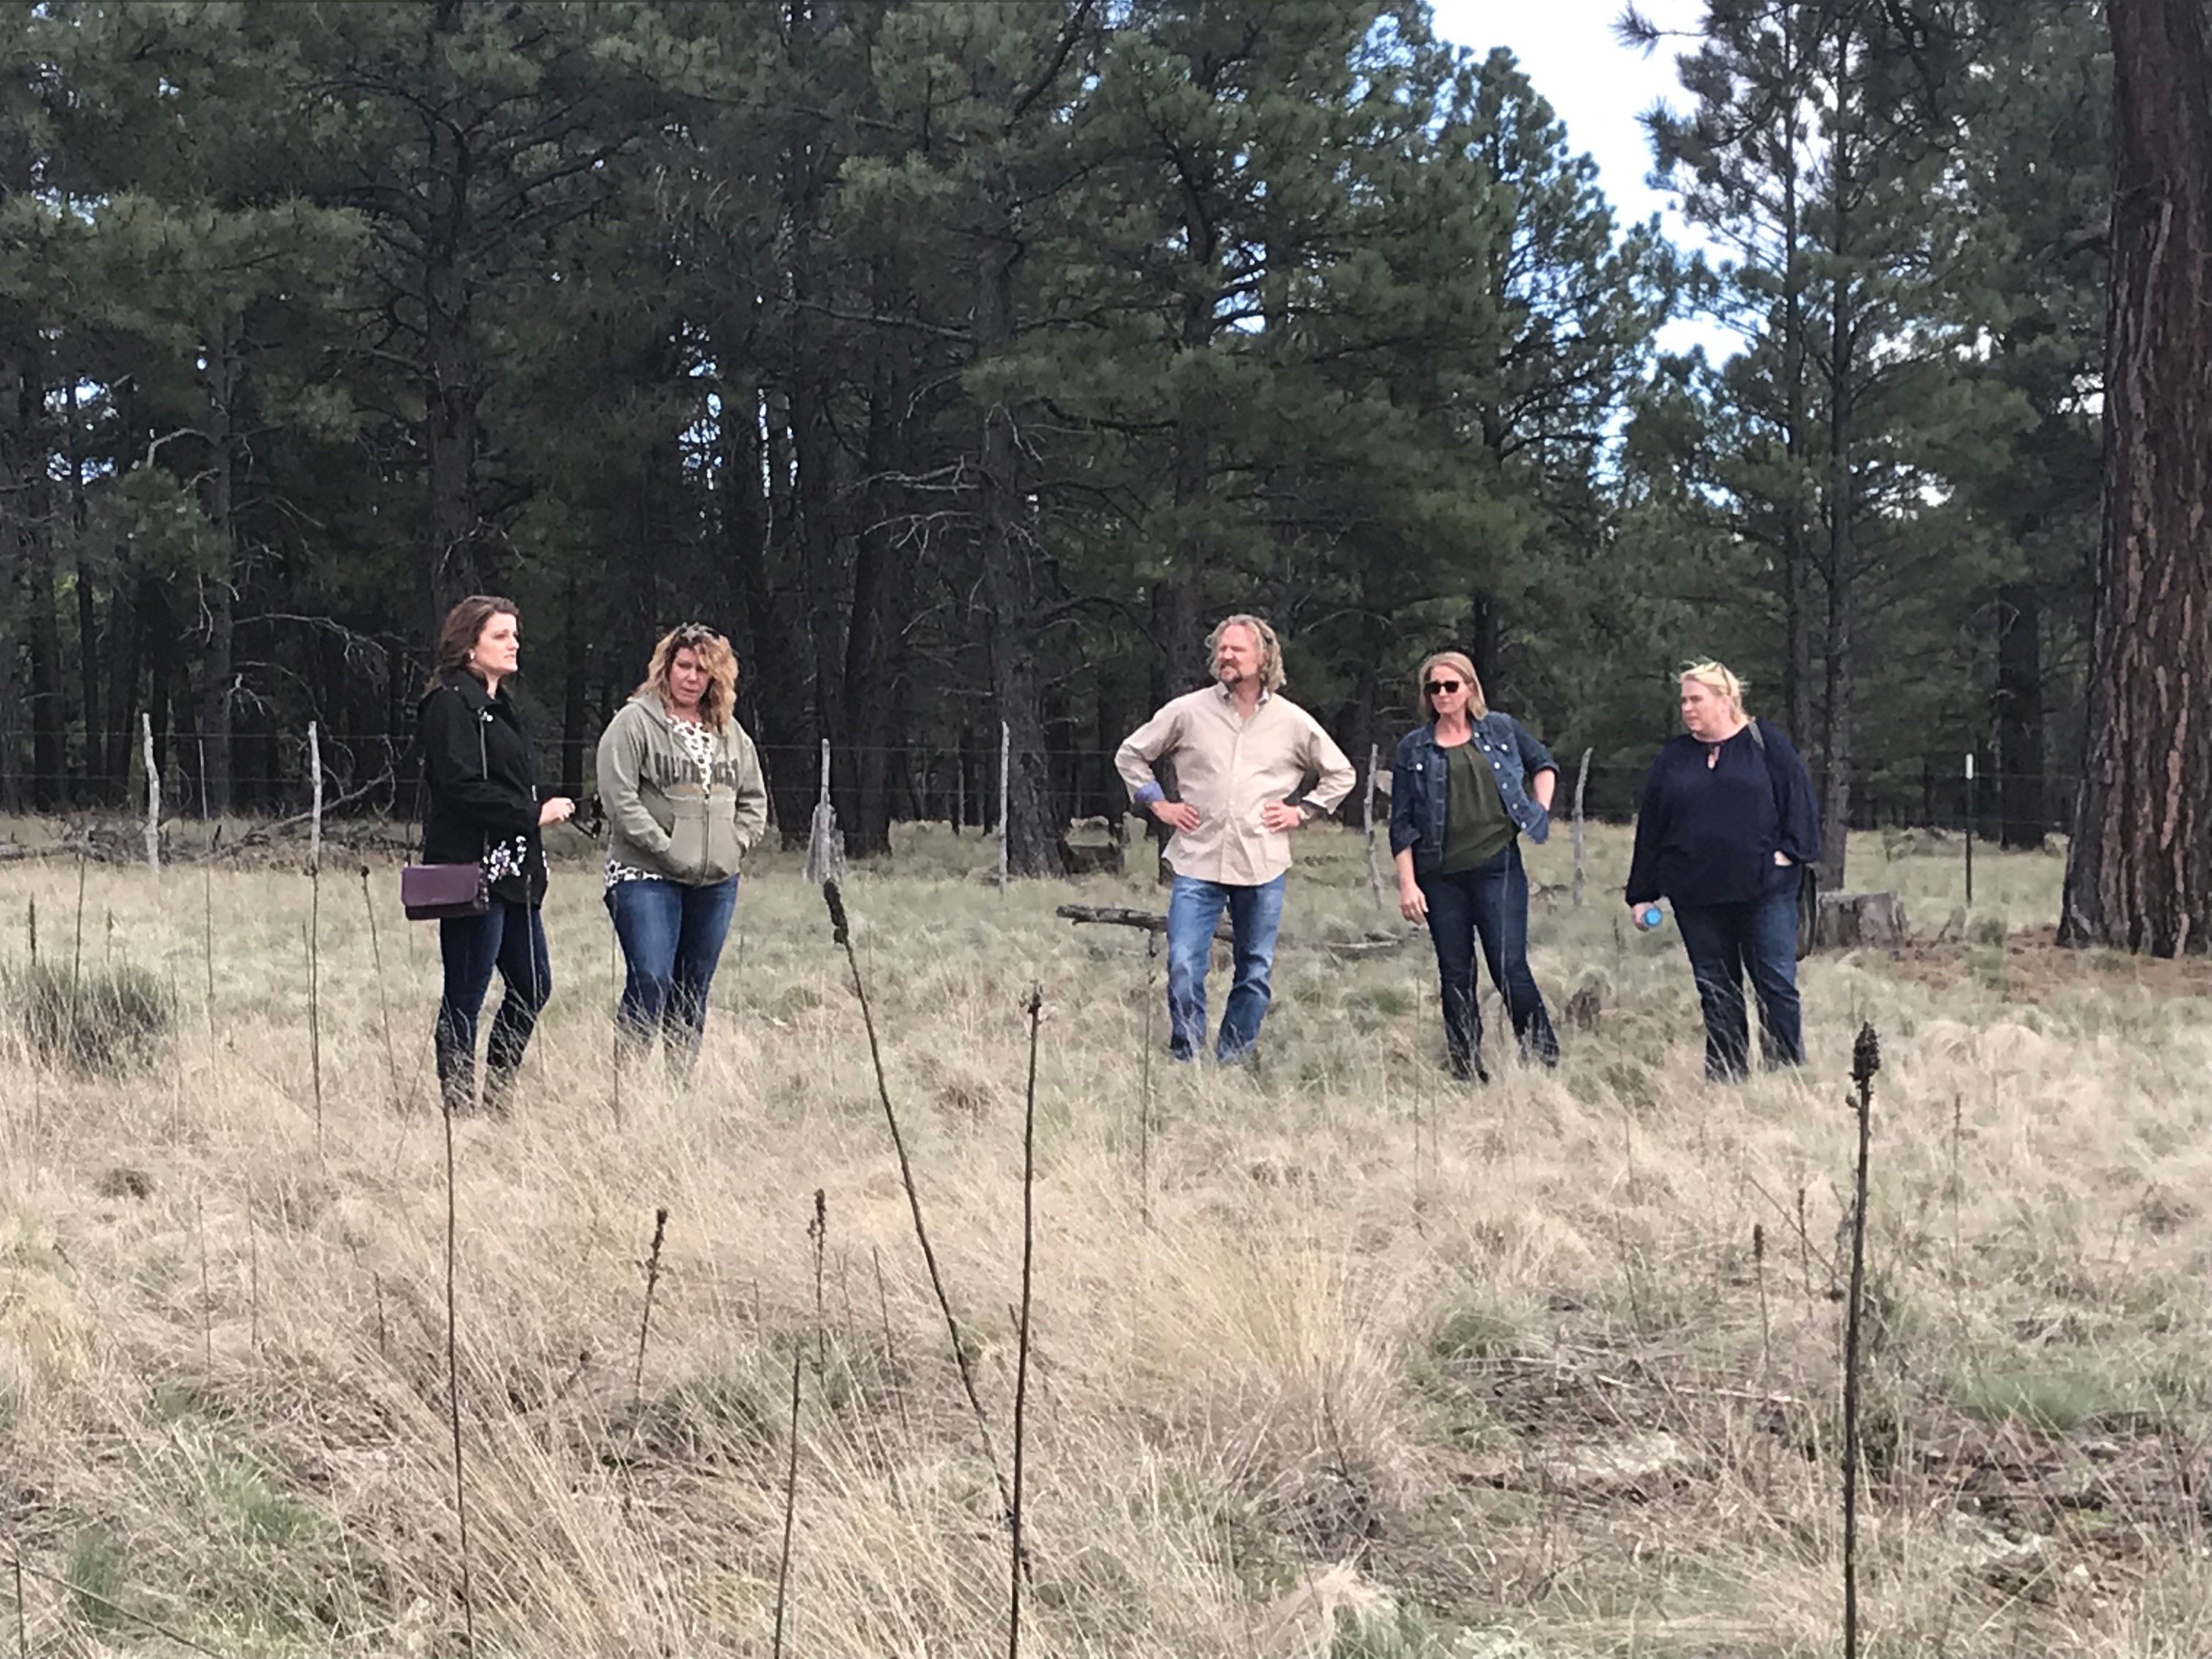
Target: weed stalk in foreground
column 1866, row 1060
column 818, row 1240
column 790, row 1503
column 453, row 1386
column 1022, row 1324
column 313, row 931
column 841, row 932
column 645, row 1322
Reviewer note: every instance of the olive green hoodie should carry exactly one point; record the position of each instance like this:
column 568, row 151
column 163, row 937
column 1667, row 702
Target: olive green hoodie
column 660, row 816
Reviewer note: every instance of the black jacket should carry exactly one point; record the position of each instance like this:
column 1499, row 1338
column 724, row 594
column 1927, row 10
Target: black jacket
column 480, row 782
column 1708, row 834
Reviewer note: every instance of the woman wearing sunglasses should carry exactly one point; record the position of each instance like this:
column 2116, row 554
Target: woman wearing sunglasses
column 1463, row 789
column 681, row 787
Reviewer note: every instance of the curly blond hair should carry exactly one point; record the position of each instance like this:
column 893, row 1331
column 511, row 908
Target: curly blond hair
column 1270, row 649
column 719, row 701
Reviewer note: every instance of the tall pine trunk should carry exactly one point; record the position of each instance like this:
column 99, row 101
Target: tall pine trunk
column 453, row 392
column 214, row 670
column 2139, row 869
column 1033, row 837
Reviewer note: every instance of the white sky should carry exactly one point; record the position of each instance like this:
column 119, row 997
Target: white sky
column 1598, row 87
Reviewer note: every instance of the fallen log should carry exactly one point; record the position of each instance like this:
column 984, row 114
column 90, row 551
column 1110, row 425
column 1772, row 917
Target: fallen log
column 1122, row 916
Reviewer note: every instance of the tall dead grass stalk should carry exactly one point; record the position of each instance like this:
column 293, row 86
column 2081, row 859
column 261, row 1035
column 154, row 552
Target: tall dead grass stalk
column 315, row 1004
column 1144, row 1093
column 645, row 1320
column 1020, row 1566
column 841, row 932
column 1866, row 1060
column 790, row 1503
column 454, row 1383
column 818, row 1240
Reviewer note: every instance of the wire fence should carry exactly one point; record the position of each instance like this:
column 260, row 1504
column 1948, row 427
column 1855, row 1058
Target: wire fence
column 372, row 772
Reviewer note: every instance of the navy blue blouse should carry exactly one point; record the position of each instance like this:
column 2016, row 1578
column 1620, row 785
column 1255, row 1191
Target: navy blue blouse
column 1708, row 834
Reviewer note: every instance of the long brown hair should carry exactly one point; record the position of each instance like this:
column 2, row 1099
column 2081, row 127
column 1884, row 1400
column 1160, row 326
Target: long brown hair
column 719, row 700
column 457, row 635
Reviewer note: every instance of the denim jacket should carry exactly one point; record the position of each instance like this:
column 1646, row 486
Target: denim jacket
column 1420, row 778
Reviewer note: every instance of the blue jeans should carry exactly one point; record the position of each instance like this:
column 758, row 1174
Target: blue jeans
column 1255, row 915
column 671, row 939
column 511, row 939
column 1724, row 940
column 1489, row 903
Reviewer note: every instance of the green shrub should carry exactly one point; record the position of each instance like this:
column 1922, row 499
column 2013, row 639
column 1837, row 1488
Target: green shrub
column 96, row 1576
column 2059, row 1401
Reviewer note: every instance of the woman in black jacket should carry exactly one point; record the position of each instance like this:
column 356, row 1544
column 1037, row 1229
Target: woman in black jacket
column 483, row 807
column 1727, row 823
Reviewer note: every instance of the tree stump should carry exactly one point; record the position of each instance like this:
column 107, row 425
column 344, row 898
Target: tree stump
column 1848, row 921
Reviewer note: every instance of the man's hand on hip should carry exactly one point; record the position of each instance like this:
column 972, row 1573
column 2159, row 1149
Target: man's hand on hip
column 1281, row 815
column 1176, row 814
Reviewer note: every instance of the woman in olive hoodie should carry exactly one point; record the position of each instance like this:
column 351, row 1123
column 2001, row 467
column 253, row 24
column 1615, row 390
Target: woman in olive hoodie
column 681, row 787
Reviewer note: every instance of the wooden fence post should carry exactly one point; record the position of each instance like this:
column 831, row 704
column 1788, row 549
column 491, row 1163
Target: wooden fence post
column 1581, row 777
column 315, row 765
column 1367, row 821
column 1005, row 756
column 153, row 796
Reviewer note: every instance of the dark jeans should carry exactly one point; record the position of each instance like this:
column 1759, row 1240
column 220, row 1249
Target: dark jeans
column 511, row 939
column 1723, row 941
column 671, row 940
column 1195, row 908
column 1489, row 903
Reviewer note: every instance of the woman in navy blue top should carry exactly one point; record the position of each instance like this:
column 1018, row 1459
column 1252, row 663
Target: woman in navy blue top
column 1464, row 788
column 1727, row 820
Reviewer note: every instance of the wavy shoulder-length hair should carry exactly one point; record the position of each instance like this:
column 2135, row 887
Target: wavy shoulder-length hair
column 453, row 656
column 1270, row 649
column 718, row 704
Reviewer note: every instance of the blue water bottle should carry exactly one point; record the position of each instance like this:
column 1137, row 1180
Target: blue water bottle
column 1648, row 916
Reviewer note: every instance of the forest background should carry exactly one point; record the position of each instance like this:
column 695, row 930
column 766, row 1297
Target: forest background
column 964, row 362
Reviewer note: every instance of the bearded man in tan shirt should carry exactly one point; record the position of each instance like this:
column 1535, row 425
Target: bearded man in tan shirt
column 1240, row 750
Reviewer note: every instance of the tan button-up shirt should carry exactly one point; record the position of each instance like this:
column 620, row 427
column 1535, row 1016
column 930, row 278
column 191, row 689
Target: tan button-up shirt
column 1230, row 767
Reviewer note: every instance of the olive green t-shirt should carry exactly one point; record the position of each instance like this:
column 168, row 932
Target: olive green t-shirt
column 1476, row 826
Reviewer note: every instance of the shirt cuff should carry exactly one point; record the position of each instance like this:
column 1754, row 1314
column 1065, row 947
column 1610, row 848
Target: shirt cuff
column 1147, row 794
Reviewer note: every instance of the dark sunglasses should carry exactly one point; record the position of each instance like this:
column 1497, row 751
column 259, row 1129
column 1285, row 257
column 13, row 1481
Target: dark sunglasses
column 693, row 633
column 1435, row 686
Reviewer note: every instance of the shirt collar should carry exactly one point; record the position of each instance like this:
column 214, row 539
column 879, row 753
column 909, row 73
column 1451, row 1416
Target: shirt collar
column 1227, row 696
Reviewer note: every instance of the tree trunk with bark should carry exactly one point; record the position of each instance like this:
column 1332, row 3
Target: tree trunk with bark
column 1033, row 836
column 216, row 622
column 454, row 386
column 2139, row 869
column 2023, row 817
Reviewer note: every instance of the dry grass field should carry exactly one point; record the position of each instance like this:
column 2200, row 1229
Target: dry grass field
column 1331, row 1358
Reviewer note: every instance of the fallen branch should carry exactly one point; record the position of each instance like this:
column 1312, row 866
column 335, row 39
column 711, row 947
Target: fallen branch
column 1122, row 916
